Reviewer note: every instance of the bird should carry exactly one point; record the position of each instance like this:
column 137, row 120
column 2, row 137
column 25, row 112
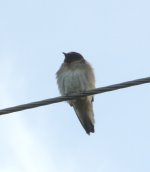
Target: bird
column 76, row 75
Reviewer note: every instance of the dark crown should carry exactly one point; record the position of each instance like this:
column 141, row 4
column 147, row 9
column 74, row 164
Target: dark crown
column 72, row 56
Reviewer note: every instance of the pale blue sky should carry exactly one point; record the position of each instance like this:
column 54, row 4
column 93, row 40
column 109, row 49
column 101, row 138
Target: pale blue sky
column 114, row 36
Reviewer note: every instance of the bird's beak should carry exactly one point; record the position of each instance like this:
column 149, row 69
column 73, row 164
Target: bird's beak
column 64, row 53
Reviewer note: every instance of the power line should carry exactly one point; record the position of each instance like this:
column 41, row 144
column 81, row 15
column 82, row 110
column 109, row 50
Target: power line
column 73, row 96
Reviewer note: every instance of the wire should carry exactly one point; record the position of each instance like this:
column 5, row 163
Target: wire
column 73, row 96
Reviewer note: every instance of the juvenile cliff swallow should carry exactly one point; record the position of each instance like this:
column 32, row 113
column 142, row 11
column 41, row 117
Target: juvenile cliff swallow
column 76, row 75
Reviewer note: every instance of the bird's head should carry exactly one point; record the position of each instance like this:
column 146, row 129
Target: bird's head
column 72, row 56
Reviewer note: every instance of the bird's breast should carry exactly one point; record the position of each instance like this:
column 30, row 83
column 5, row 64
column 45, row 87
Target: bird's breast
column 72, row 81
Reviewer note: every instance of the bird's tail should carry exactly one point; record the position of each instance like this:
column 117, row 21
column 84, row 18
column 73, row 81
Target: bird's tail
column 84, row 110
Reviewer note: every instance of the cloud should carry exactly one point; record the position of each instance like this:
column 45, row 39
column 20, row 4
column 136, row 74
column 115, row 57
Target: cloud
column 21, row 150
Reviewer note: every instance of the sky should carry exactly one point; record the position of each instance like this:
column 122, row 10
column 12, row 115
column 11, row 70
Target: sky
column 114, row 36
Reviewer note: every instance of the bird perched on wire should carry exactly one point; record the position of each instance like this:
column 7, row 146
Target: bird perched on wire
column 74, row 76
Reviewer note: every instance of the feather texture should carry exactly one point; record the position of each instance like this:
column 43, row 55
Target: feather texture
column 73, row 78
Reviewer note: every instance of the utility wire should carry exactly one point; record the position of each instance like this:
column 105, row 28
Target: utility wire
column 73, row 96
